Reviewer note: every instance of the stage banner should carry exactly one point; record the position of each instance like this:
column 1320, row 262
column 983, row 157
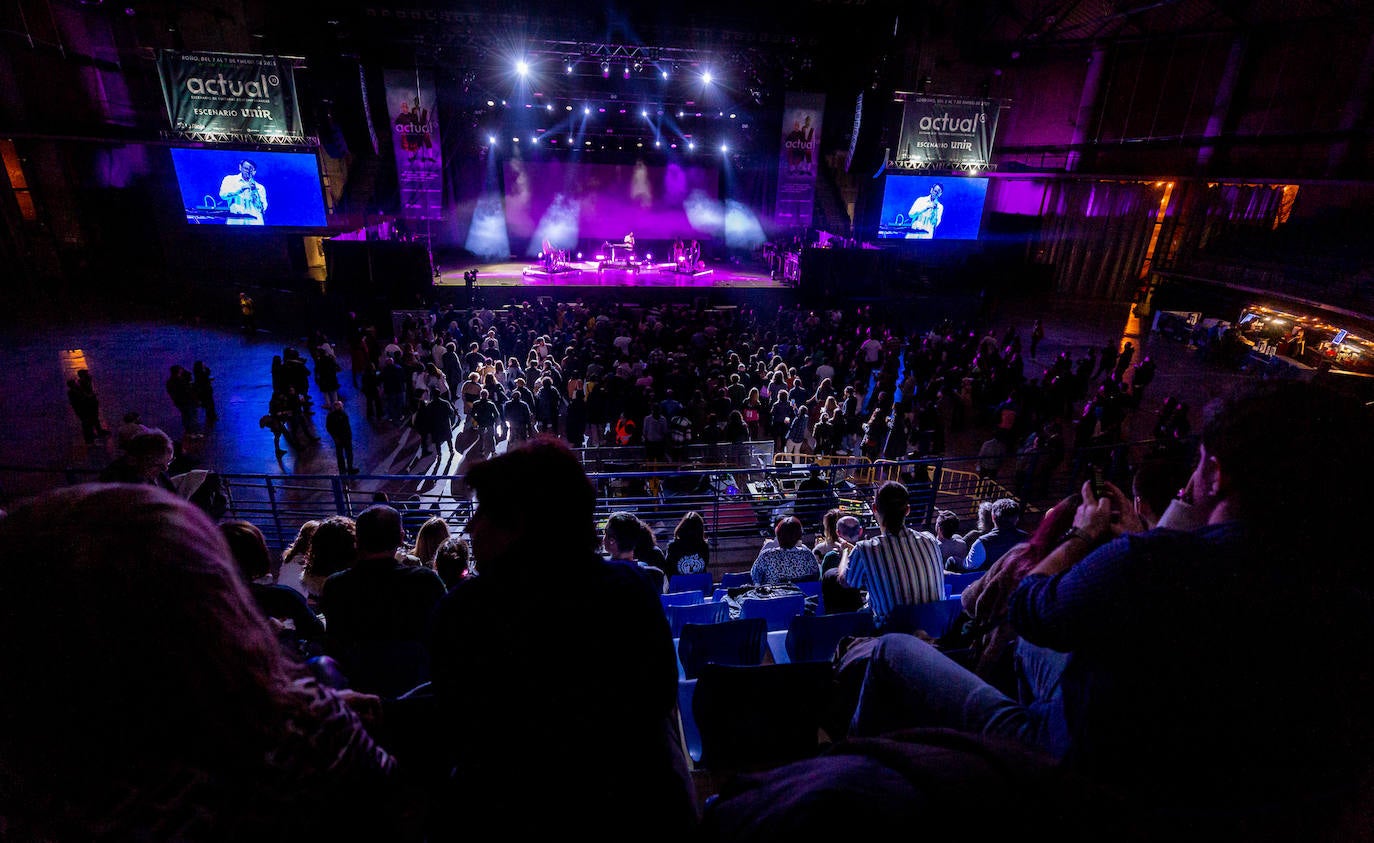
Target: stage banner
column 950, row 130
column 238, row 93
column 797, row 163
column 413, row 114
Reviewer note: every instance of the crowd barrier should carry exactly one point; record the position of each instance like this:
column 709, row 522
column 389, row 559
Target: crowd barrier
column 740, row 490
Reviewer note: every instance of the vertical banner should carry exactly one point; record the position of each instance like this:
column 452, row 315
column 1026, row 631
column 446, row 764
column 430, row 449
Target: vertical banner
column 229, row 92
column 799, row 159
column 948, row 131
column 412, row 113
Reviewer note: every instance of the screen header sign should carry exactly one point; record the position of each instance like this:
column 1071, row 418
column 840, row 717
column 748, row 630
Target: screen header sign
column 234, row 93
column 952, row 130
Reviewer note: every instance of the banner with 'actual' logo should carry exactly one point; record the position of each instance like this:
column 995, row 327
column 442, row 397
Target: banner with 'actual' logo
column 799, row 159
column 949, row 131
column 234, row 93
column 414, row 118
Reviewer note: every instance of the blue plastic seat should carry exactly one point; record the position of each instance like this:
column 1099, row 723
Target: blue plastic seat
column 736, row 579
column 688, row 582
column 777, row 612
column 812, row 588
column 702, row 613
column 934, row 618
column 812, row 638
column 681, row 598
column 729, row 642
column 757, row 717
column 956, row 583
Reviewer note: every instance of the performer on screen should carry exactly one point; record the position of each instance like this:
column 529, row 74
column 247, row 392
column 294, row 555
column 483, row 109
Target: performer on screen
column 245, row 195
column 926, row 213
column 630, row 241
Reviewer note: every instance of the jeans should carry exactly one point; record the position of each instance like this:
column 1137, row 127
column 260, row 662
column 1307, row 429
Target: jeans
column 911, row 684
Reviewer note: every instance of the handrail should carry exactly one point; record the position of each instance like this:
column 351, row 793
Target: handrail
column 737, row 501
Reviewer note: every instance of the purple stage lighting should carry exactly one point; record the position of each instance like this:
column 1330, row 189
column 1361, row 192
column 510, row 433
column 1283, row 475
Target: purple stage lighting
column 522, row 67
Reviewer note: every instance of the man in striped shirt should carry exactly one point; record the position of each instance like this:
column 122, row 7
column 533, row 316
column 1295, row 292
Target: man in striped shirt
column 899, row 566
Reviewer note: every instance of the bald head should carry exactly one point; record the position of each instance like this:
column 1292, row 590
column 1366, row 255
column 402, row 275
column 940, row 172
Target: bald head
column 849, row 528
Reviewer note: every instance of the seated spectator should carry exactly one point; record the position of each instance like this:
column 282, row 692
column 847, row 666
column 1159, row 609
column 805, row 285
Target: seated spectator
column 157, row 704
column 1165, row 693
column 837, row 597
column 146, row 458
column 689, row 552
column 984, row 524
column 297, row 627
column 599, row 717
column 453, row 562
column 789, row 561
column 333, row 548
column 623, row 534
column 1006, row 514
column 1154, row 487
column 898, row 567
column 985, row 600
column 377, row 612
column 952, row 547
column 431, row 535
column 826, row 541
column 291, row 573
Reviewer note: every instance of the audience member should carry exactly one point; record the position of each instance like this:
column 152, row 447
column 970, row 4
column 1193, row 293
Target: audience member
column 156, row 704
column 377, row 611
column 952, row 548
column 297, row 627
column 788, row 561
column 428, row 539
column 899, row 566
column 1181, row 680
column 452, row 562
column 689, row 552
column 837, row 597
column 146, row 458
column 333, row 548
column 609, row 701
column 624, row 533
column 989, row 547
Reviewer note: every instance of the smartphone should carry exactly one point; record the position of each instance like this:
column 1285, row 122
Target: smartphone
column 1097, row 483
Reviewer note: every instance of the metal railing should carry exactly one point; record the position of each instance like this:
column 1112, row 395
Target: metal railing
column 739, row 500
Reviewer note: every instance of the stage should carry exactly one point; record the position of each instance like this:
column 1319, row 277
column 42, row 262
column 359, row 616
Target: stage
column 602, row 274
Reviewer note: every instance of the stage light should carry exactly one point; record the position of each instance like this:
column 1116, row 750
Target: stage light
column 605, row 70
column 549, row 107
column 522, row 67
column 707, row 77
column 680, row 114
column 724, row 148
column 639, row 66
column 658, row 144
column 567, row 67
column 586, row 109
column 643, row 112
column 491, row 103
column 627, row 71
column 691, row 147
column 567, row 108
column 732, row 116
column 648, row 257
column 491, row 139
column 514, row 140
column 665, row 74
column 579, row 256
column 973, row 171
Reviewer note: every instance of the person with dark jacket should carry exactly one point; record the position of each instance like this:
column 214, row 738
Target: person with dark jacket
column 989, row 547
column 336, row 423
column 619, row 691
column 377, row 611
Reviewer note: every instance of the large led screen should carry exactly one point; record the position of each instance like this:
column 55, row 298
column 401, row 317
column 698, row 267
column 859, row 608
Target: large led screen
column 932, row 208
column 568, row 202
column 236, row 188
